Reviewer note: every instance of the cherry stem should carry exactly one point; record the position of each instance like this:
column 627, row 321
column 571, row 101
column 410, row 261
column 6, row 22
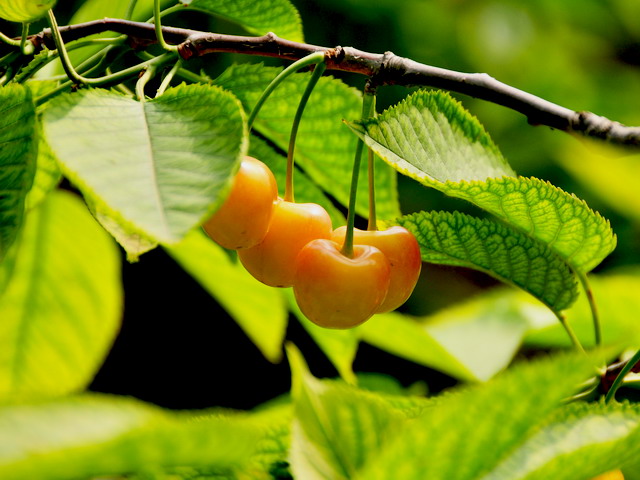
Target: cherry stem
column 368, row 104
column 372, row 225
column 167, row 80
column 76, row 78
column 132, row 6
column 25, row 47
column 574, row 339
column 157, row 20
column 617, row 383
column 314, row 58
column 597, row 329
column 317, row 73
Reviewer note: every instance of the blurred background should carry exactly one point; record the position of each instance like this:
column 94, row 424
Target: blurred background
column 581, row 54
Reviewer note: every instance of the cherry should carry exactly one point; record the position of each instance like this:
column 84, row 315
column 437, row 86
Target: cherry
column 293, row 225
column 335, row 291
column 402, row 249
column 243, row 219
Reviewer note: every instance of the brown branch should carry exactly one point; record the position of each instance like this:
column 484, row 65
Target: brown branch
column 384, row 69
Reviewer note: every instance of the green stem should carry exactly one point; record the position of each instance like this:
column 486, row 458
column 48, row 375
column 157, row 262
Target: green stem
column 166, row 81
column 9, row 40
column 132, row 6
column 372, row 225
column 597, row 329
column 142, row 82
column 26, row 49
column 115, row 77
column 167, row 11
column 368, row 104
column 574, row 339
column 157, row 20
column 87, row 66
column 317, row 73
column 620, row 378
column 75, row 77
column 311, row 59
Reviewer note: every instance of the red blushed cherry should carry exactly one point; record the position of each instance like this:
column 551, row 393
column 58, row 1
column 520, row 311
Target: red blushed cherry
column 293, row 225
column 243, row 219
column 336, row 291
column 402, row 249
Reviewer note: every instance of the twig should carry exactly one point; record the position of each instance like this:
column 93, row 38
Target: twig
column 384, row 69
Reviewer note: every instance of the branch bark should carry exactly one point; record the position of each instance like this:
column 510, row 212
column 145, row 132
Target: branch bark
column 383, row 69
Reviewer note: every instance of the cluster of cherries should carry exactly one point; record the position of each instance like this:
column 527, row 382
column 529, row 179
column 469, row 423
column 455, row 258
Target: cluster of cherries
column 284, row 244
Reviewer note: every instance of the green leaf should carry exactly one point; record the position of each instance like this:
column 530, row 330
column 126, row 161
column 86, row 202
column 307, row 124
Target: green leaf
column 563, row 222
column 257, row 16
column 467, row 432
column 62, row 307
column 24, row 11
column 306, row 190
column 133, row 241
column 431, row 136
column 433, row 140
column 581, row 441
column 506, row 254
column 405, row 337
column 160, row 165
column 91, row 435
column 618, row 303
column 606, row 169
column 337, row 427
column 340, row 346
column 473, row 340
column 263, row 319
column 17, row 159
column 325, row 148
column 47, row 175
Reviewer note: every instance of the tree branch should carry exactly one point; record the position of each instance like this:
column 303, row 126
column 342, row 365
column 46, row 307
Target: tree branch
column 383, row 69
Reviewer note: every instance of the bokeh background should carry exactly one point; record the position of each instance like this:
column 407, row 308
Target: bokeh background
column 179, row 349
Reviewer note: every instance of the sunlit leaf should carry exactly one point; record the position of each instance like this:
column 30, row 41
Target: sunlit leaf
column 159, row 165
column 257, row 16
column 561, row 221
column 472, row 340
column 405, row 337
column 461, row 240
column 617, row 300
column 325, row 148
column 611, row 173
column 466, row 433
column 432, row 139
column 87, row 436
column 24, row 10
column 17, row 159
column 47, row 175
column 337, row 427
column 62, row 307
column 263, row 317
column 581, row 441
column 431, row 136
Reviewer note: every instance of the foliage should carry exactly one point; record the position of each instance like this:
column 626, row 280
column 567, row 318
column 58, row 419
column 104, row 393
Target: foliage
column 92, row 175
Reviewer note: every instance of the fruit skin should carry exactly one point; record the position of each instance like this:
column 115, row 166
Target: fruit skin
column 403, row 252
column 243, row 219
column 293, row 225
column 24, row 10
column 335, row 291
